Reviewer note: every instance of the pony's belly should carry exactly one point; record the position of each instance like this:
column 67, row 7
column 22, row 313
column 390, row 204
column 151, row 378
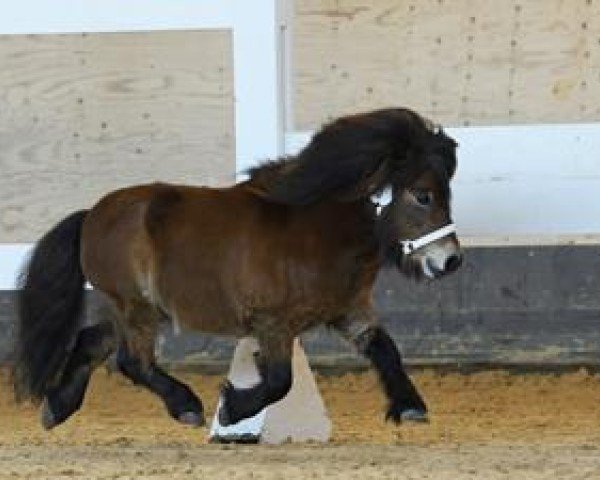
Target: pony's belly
column 205, row 317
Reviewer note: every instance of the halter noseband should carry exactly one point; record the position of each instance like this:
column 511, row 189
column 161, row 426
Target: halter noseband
column 384, row 198
column 409, row 246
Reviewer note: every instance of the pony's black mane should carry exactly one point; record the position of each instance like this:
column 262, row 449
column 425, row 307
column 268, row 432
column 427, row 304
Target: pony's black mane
column 355, row 156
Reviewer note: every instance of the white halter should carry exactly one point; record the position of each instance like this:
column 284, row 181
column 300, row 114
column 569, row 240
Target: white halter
column 409, row 246
column 384, row 198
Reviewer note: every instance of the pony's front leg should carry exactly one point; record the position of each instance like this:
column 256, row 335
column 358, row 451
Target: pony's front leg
column 274, row 365
column 371, row 340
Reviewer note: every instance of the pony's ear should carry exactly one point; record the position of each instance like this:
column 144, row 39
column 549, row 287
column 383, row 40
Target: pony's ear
column 446, row 147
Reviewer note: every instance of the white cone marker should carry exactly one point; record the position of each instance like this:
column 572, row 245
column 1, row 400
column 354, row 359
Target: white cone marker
column 299, row 417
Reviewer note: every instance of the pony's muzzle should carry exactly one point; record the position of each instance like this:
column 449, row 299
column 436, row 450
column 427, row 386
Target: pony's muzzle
column 441, row 258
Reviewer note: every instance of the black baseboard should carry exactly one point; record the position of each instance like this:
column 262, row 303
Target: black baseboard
column 506, row 306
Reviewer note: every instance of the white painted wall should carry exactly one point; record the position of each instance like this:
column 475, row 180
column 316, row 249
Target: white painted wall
column 76, row 16
column 534, row 180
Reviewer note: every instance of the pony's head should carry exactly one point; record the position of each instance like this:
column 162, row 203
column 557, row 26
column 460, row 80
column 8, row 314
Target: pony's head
column 395, row 162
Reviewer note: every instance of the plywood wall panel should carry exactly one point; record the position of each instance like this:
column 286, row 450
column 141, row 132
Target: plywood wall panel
column 461, row 62
column 81, row 115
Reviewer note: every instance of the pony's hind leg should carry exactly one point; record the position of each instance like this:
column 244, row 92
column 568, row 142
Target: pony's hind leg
column 182, row 404
column 371, row 340
column 135, row 360
column 92, row 346
column 274, row 364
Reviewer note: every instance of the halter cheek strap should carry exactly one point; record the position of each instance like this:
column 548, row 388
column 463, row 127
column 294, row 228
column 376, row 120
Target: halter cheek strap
column 384, row 198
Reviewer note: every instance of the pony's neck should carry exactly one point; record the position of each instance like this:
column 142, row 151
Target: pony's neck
column 357, row 222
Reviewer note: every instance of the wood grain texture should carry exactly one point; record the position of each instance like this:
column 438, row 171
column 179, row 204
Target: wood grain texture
column 81, row 115
column 460, row 62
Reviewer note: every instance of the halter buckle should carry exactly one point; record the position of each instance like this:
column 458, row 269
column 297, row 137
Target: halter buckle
column 382, row 199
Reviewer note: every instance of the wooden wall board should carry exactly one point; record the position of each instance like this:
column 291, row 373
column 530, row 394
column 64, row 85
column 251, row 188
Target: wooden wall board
column 460, row 62
column 81, row 115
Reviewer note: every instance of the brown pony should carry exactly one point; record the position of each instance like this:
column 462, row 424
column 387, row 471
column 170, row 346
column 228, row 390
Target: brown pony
column 297, row 245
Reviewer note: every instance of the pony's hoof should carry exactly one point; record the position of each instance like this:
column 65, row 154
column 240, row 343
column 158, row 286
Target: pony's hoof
column 414, row 415
column 48, row 418
column 399, row 414
column 193, row 419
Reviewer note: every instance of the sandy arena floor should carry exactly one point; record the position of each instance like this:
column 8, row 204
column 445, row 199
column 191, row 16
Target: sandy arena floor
column 488, row 425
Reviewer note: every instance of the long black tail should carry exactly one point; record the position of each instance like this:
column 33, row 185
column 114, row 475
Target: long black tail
column 50, row 303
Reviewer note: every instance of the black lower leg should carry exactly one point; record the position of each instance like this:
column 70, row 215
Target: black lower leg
column 240, row 403
column 405, row 401
column 181, row 402
column 92, row 346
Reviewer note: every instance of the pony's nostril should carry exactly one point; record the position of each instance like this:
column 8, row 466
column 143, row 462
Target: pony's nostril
column 452, row 263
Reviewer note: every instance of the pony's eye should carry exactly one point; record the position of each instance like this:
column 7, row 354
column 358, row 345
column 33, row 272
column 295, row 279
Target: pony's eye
column 423, row 197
